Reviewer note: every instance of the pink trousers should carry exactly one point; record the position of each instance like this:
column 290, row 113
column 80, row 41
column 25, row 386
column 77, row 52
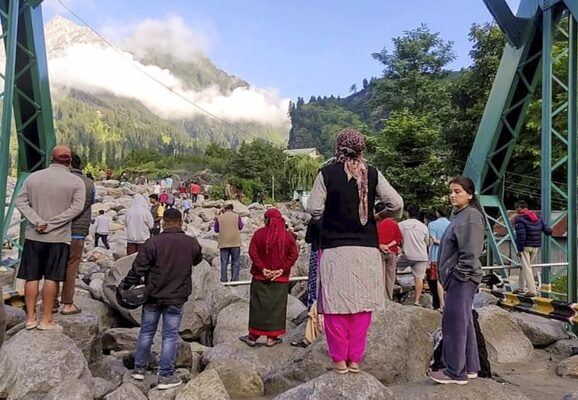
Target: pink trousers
column 346, row 335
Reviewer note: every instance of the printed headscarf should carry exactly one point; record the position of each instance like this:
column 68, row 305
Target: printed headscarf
column 349, row 151
column 275, row 229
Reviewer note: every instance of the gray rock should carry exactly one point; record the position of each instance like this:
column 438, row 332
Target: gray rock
column 126, row 391
column 111, row 282
column 88, row 268
column 111, row 183
column 476, row 389
column 207, row 385
column 361, row 386
column 109, row 368
column 6, row 276
column 107, row 317
column 95, row 288
column 571, row 396
column 169, row 394
column 100, row 387
column 564, row 348
column 84, row 329
column 210, row 248
column 568, row 368
column 207, row 300
column 233, row 320
column 483, row 299
column 541, row 331
column 145, row 386
column 37, row 361
column 125, row 339
column 403, row 357
column 505, row 339
column 241, row 379
column 14, row 316
column 70, row 389
column 262, row 358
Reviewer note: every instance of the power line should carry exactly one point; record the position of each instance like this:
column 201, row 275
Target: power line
column 138, row 68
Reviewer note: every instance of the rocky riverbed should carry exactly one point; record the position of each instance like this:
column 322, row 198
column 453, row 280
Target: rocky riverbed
column 91, row 359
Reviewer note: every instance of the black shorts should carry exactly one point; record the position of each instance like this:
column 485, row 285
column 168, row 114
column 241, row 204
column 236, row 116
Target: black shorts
column 43, row 260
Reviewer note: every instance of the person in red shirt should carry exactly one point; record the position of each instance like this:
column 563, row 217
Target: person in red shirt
column 195, row 191
column 273, row 251
column 163, row 198
column 390, row 239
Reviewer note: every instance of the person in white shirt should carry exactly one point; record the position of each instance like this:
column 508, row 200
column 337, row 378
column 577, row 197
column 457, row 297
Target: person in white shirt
column 157, row 188
column 415, row 244
column 102, row 229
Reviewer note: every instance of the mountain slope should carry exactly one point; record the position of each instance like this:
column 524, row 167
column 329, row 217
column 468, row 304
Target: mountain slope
column 104, row 124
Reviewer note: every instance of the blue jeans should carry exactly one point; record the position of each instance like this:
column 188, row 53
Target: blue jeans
column 234, row 253
column 151, row 313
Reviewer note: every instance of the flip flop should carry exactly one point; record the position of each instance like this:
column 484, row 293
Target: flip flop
column 31, row 325
column 274, row 342
column 75, row 311
column 52, row 327
column 245, row 339
column 300, row 343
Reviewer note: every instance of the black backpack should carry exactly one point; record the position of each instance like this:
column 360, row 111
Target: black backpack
column 485, row 368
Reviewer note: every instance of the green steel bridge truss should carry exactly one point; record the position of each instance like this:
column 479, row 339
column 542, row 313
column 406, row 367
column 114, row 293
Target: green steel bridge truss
column 542, row 33
column 26, row 105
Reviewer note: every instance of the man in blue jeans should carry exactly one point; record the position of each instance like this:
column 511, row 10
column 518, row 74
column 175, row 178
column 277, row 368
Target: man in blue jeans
column 165, row 262
column 228, row 225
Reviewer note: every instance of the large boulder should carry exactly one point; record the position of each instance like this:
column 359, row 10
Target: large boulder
column 476, row 389
column 84, row 329
column 505, row 339
column 541, row 331
column 399, row 349
column 70, row 389
column 568, row 368
column 126, row 391
column 111, row 281
column 207, row 300
column 109, row 368
column 565, row 348
column 263, row 359
column 240, row 208
column 361, row 386
column 36, row 361
column 100, row 387
column 240, row 378
column 14, row 316
column 483, row 299
column 207, row 385
column 110, row 183
column 233, row 320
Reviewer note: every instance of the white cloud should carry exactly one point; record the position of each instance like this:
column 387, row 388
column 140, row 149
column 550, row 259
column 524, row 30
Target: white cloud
column 171, row 36
column 95, row 69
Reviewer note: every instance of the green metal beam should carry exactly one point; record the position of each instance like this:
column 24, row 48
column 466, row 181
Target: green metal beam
column 515, row 28
column 572, row 162
column 10, row 27
column 546, row 134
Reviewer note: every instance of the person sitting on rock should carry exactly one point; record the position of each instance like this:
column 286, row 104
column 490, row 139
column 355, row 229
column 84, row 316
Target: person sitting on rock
column 165, row 262
column 273, row 251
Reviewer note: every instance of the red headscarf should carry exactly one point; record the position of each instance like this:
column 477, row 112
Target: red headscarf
column 275, row 229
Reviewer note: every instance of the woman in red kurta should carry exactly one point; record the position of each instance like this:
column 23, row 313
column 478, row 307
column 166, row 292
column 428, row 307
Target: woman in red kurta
column 273, row 251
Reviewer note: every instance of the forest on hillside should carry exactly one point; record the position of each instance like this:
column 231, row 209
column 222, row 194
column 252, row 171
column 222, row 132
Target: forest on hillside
column 420, row 119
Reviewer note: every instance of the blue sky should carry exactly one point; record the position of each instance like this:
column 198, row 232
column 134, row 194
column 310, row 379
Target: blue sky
column 299, row 47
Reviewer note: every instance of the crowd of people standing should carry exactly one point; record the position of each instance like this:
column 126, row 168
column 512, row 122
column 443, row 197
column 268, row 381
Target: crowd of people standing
column 356, row 248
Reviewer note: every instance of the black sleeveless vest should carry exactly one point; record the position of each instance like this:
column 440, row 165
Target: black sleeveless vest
column 341, row 225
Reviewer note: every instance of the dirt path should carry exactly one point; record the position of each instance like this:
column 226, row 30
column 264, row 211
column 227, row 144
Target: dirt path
column 537, row 377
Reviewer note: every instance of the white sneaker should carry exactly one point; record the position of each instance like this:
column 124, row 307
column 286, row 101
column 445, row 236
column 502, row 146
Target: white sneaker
column 472, row 375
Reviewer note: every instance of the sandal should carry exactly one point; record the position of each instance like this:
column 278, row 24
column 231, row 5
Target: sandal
column 49, row 327
column 245, row 339
column 300, row 343
column 31, row 325
column 273, row 342
column 75, row 311
column 339, row 370
column 355, row 370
